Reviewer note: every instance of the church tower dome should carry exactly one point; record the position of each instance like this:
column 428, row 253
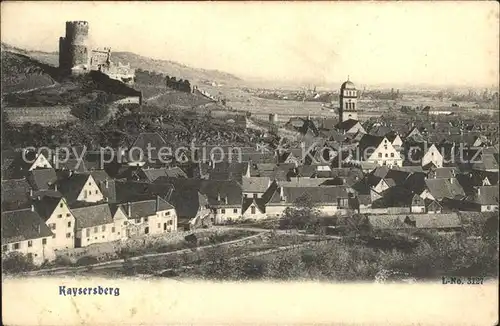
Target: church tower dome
column 348, row 101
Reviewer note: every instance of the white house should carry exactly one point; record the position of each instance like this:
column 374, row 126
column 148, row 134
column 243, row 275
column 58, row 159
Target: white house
column 60, row 220
column 94, row 224
column 24, row 231
column 378, row 150
column 152, row 216
column 432, row 156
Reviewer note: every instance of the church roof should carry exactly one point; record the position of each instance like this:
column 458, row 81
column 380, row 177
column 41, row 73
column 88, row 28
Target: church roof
column 347, row 85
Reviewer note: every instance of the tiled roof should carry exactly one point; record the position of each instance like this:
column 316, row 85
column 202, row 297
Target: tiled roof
column 91, row 216
column 24, row 224
column 444, row 188
column 346, row 124
column 145, row 208
column 328, row 195
column 255, row 184
column 15, row 193
column 72, row 186
column 46, row 206
column 485, row 195
column 42, row 179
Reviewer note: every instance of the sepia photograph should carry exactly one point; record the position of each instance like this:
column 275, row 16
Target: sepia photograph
column 240, row 162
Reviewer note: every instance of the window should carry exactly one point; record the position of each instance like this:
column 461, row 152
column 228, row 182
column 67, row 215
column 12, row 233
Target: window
column 146, row 230
column 159, row 225
column 103, row 228
column 432, row 153
column 235, row 210
column 88, row 233
column 90, row 183
column 5, row 247
column 488, row 207
column 245, row 195
column 255, row 195
column 170, row 222
column 59, row 216
column 392, row 154
column 252, row 209
column 145, row 219
column 30, row 243
column 96, row 229
column 61, row 205
column 96, row 192
column 113, row 229
column 54, row 236
column 386, row 155
column 69, row 224
column 68, row 215
column 167, row 213
column 16, row 246
column 53, row 226
column 44, row 241
column 68, row 235
column 223, row 211
column 137, row 220
column 379, row 154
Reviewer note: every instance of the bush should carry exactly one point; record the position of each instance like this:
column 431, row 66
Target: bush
column 62, row 261
column 87, row 260
column 16, row 262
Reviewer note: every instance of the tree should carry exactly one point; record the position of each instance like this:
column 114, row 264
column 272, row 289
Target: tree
column 16, row 262
column 302, row 215
column 355, row 224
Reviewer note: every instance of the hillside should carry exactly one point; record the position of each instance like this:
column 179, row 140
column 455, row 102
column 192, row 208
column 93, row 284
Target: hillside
column 167, row 67
column 21, row 73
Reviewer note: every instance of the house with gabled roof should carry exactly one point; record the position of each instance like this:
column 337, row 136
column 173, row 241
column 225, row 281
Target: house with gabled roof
column 42, row 179
column 483, row 199
column 151, row 216
column 152, row 147
column 378, row 150
column 350, row 126
column 59, row 218
column 26, row 161
column 417, row 204
column 94, row 224
column 25, row 231
column 224, row 199
column 80, row 187
column 255, row 187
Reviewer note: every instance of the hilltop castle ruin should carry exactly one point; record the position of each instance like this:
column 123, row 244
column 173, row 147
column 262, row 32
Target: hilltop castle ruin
column 76, row 59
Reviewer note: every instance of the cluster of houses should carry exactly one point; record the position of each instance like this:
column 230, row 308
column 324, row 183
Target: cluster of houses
column 49, row 205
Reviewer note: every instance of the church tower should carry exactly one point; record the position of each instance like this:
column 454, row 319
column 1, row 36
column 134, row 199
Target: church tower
column 348, row 101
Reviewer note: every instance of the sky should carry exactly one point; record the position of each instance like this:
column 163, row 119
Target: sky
column 438, row 43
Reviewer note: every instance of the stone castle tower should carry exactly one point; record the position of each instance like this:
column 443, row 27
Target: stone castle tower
column 348, row 101
column 73, row 48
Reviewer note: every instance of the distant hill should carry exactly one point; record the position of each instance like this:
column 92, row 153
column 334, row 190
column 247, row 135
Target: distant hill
column 167, row 67
column 22, row 73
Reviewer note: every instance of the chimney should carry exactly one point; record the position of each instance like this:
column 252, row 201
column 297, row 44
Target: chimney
column 157, row 203
column 106, row 183
column 451, row 180
column 218, row 197
column 55, row 186
column 38, row 228
column 129, row 209
column 31, row 192
column 478, row 191
column 225, row 200
column 33, row 209
column 282, row 194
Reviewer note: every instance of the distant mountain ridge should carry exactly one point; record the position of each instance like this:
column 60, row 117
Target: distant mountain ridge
column 137, row 61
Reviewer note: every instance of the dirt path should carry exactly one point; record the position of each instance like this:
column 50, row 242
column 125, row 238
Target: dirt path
column 118, row 263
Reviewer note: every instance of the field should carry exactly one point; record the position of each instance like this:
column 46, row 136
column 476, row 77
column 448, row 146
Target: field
column 239, row 99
